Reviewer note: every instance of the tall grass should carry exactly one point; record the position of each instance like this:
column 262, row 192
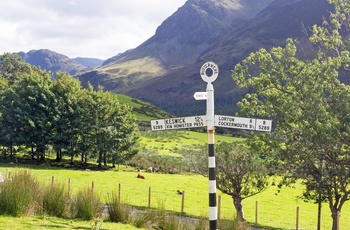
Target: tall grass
column 117, row 211
column 55, row 200
column 86, row 205
column 20, row 194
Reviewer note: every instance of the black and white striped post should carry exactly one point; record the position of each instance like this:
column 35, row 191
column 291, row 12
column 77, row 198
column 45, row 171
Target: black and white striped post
column 209, row 72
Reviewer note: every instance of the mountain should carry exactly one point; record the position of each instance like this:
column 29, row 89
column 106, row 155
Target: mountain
column 89, row 62
column 52, row 61
column 164, row 70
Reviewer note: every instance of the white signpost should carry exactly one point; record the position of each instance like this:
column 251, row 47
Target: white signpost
column 178, row 123
column 243, row 123
column 200, row 96
column 209, row 72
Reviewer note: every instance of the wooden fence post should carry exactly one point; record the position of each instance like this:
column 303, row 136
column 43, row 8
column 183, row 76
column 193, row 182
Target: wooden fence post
column 297, row 219
column 149, row 197
column 52, row 181
column 7, row 174
column 183, row 202
column 256, row 211
column 69, row 187
column 119, row 187
column 92, row 186
column 219, row 207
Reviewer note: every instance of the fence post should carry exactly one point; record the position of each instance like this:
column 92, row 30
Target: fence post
column 219, row 207
column 92, row 186
column 119, row 187
column 52, row 181
column 183, row 202
column 297, row 219
column 69, row 187
column 7, row 174
column 149, row 197
column 256, row 211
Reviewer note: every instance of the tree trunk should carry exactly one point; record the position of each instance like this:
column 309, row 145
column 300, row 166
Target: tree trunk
column 319, row 211
column 100, row 160
column 237, row 201
column 334, row 219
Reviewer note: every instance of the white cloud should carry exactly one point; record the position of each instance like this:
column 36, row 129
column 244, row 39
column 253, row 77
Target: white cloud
column 84, row 28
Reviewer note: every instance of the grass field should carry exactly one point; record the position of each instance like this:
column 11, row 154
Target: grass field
column 46, row 222
column 275, row 211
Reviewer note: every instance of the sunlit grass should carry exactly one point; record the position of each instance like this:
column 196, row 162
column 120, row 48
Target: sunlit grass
column 46, row 222
column 278, row 211
column 177, row 139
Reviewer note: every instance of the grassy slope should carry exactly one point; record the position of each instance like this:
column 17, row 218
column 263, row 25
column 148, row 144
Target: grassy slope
column 143, row 111
column 165, row 142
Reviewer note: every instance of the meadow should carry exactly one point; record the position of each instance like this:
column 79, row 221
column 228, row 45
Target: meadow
column 275, row 210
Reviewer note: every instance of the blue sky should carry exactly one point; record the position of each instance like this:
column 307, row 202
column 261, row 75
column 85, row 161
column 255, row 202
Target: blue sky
column 81, row 28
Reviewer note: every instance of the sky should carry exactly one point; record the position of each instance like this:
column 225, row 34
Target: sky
column 81, row 28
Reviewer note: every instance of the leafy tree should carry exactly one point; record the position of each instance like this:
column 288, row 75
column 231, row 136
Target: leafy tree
column 240, row 172
column 9, row 126
column 12, row 67
column 86, row 107
column 68, row 124
column 310, row 106
column 34, row 110
column 127, row 135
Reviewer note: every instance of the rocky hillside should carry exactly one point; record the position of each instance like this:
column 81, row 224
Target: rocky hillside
column 164, row 70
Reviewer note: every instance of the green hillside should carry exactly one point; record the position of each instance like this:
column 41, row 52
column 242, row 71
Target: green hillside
column 143, row 111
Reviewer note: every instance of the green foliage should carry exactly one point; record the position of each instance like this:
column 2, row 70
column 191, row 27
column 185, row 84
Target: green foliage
column 37, row 113
column 12, row 67
column 310, row 106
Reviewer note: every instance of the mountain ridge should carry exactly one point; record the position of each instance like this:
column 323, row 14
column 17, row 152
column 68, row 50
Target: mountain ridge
column 164, row 70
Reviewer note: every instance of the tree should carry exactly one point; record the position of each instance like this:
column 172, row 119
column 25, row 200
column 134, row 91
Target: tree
column 12, row 67
column 34, row 110
column 240, row 172
column 310, row 106
column 68, row 124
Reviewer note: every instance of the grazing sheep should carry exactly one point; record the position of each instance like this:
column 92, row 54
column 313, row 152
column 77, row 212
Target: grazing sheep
column 140, row 176
column 178, row 192
column 149, row 169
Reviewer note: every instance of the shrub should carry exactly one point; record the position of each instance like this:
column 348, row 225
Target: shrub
column 86, row 205
column 20, row 194
column 145, row 219
column 55, row 200
column 233, row 225
column 117, row 211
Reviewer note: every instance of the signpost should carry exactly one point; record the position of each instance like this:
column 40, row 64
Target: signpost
column 243, row 123
column 209, row 72
column 178, row 123
column 200, row 96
